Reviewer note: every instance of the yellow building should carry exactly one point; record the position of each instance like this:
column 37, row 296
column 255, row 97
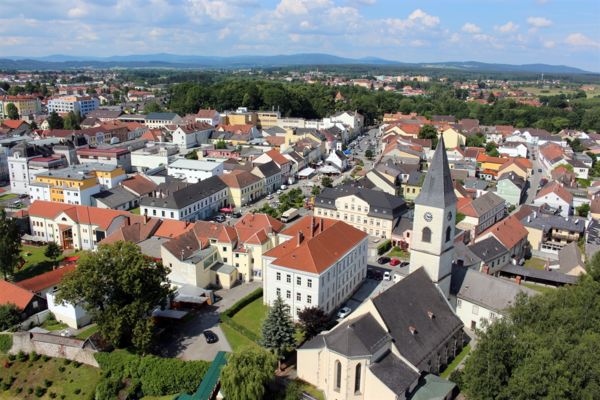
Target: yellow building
column 267, row 119
column 26, row 105
column 453, row 138
column 241, row 118
column 244, row 187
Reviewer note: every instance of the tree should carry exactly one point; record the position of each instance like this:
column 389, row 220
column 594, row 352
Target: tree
column 313, row 320
column 278, row 329
column 477, row 140
column 491, row 149
column 583, row 210
column 55, row 121
column 53, row 251
column 72, row 121
column 326, row 182
column 220, row 144
column 429, row 132
column 119, row 287
column 12, row 112
column 10, row 315
column 316, row 190
column 192, row 155
column 491, row 98
column 369, row 154
column 10, row 245
column 152, row 107
column 546, row 346
column 246, row 374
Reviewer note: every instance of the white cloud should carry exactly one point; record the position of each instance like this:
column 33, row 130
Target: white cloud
column 470, row 28
column 299, row 7
column 223, row 33
column 581, row 40
column 421, row 16
column 539, row 22
column 454, row 38
column 507, row 27
column 214, row 9
column 549, row 44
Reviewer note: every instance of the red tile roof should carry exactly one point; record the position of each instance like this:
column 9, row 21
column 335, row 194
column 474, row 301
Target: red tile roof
column 558, row 189
column 509, row 232
column 13, row 124
column 101, row 217
column 46, row 280
column 13, row 294
column 277, row 157
column 139, row 185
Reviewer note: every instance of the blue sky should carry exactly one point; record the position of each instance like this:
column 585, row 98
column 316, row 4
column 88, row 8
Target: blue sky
column 503, row 31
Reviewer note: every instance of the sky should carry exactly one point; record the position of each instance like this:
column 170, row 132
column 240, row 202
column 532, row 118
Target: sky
column 563, row 32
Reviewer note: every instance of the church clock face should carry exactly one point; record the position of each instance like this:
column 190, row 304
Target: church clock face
column 449, row 216
column 428, row 216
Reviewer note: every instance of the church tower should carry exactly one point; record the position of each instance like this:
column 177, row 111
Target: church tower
column 432, row 243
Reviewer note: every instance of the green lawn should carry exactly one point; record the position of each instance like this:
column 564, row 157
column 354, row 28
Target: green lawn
column 86, row 333
column 539, row 288
column 457, row 360
column 398, row 252
column 36, row 262
column 29, row 375
column 8, row 196
column 54, row 325
column 135, row 211
column 252, row 316
column 313, row 391
column 535, row 263
column 236, row 340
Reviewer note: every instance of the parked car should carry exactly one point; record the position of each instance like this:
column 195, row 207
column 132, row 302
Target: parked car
column 220, row 218
column 283, row 187
column 394, row 261
column 210, row 336
column 344, row 312
column 269, row 196
column 383, row 260
column 236, row 214
column 404, row 264
column 387, row 276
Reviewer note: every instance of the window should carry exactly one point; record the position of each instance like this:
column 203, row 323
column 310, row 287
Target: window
column 278, row 291
column 475, row 309
column 309, row 299
column 458, row 303
column 426, row 235
column 338, row 375
column 298, row 297
column 448, row 234
column 357, row 378
column 299, row 281
column 278, row 276
column 309, row 282
column 288, row 278
column 288, row 294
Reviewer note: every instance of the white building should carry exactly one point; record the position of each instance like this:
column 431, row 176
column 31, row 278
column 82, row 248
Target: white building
column 321, row 264
column 74, row 316
column 153, row 157
column 193, row 171
column 193, row 135
column 513, row 149
column 78, row 104
column 211, row 117
column 162, row 119
column 556, row 196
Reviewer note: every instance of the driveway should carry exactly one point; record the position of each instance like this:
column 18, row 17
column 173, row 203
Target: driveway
column 186, row 340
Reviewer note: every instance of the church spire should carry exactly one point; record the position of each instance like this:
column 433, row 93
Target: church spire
column 437, row 190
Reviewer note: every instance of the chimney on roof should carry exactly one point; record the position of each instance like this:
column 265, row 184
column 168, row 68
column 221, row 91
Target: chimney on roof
column 430, row 314
column 412, row 329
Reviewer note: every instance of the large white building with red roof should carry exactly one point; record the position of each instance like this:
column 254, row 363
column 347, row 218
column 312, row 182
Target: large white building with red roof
column 319, row 263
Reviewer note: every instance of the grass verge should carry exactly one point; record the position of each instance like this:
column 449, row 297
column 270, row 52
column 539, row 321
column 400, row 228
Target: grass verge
column 457, row 360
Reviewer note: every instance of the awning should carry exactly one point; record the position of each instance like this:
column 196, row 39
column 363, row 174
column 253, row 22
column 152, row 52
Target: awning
column 226, row 209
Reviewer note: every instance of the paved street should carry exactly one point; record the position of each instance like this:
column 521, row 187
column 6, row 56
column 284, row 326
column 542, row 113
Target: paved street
column 186, row 340
column 534, row 181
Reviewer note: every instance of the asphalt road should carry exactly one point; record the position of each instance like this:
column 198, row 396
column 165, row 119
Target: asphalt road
column 534, row 180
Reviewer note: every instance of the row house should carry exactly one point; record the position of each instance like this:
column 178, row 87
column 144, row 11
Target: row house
column 481, row 213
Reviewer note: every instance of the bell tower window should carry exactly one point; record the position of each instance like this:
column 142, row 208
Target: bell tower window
column 426, row 235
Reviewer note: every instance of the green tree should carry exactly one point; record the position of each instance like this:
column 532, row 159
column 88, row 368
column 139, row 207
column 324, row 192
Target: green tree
column 491, row 149
column 55, row 121
column 278, row 329
column 220, row 144
column 247, row 373
column 477, row 140
column 429, row 132
column 583, row 210
column 192, row 155
column 72, row 121
column 152, row 106
column 316, row 190
column 119, row 287
column 326, row 182
column 53, row 251
column 546, row 346
column 312, row 320
column 11, row 111
column 491, row 98
column 369, row 154
column 10, row 315
column 10, row 245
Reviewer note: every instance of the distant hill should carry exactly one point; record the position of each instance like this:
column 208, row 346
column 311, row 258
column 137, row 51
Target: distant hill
column 59, row 61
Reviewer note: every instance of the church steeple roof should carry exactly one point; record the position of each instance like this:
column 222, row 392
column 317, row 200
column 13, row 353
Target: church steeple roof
column 437, row 190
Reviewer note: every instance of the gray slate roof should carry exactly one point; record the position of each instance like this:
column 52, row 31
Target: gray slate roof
column 486, row 202
column 488, row 249
column 514, row 178
column 496, row 294
column 437, row 189
column 394, row 373
column 161, row 116
column 181, row 195
column 362, row 336
column 269, row 169
column 569, row 257
column 406, row 304
column 381, row 204
column 115, row 197
column 547, row 222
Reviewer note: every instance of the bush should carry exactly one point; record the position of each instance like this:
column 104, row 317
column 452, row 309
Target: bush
column 21, row 356
column 29, row 390
column 61, row 368
column 157, row 376
column 33, row 356
column 9, row 316
column 5, row 343
column 77, row 391
column 108, row 388
column 52, row 395
column 12, row 357
column 39, row 391
column 47, row 383
column 18, row 390
column 384, row 246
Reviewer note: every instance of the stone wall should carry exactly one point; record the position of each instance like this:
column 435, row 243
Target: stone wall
column 55, row 346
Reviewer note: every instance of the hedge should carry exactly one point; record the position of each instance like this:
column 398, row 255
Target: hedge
column 5, row 343
column 384, row 246
column 157, row 376
column 226, row 316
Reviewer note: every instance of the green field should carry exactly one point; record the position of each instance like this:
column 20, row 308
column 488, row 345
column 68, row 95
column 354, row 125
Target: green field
column 8, row 196
column 36, row 262
column 71, row 381
column 539, row 288
column 535, row 263
column 53, row 325
column 236, row 340
column 87, row 332
column 252, row 316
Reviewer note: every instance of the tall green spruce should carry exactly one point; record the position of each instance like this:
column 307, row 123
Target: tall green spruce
column 10, row 245
column 278, row 329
